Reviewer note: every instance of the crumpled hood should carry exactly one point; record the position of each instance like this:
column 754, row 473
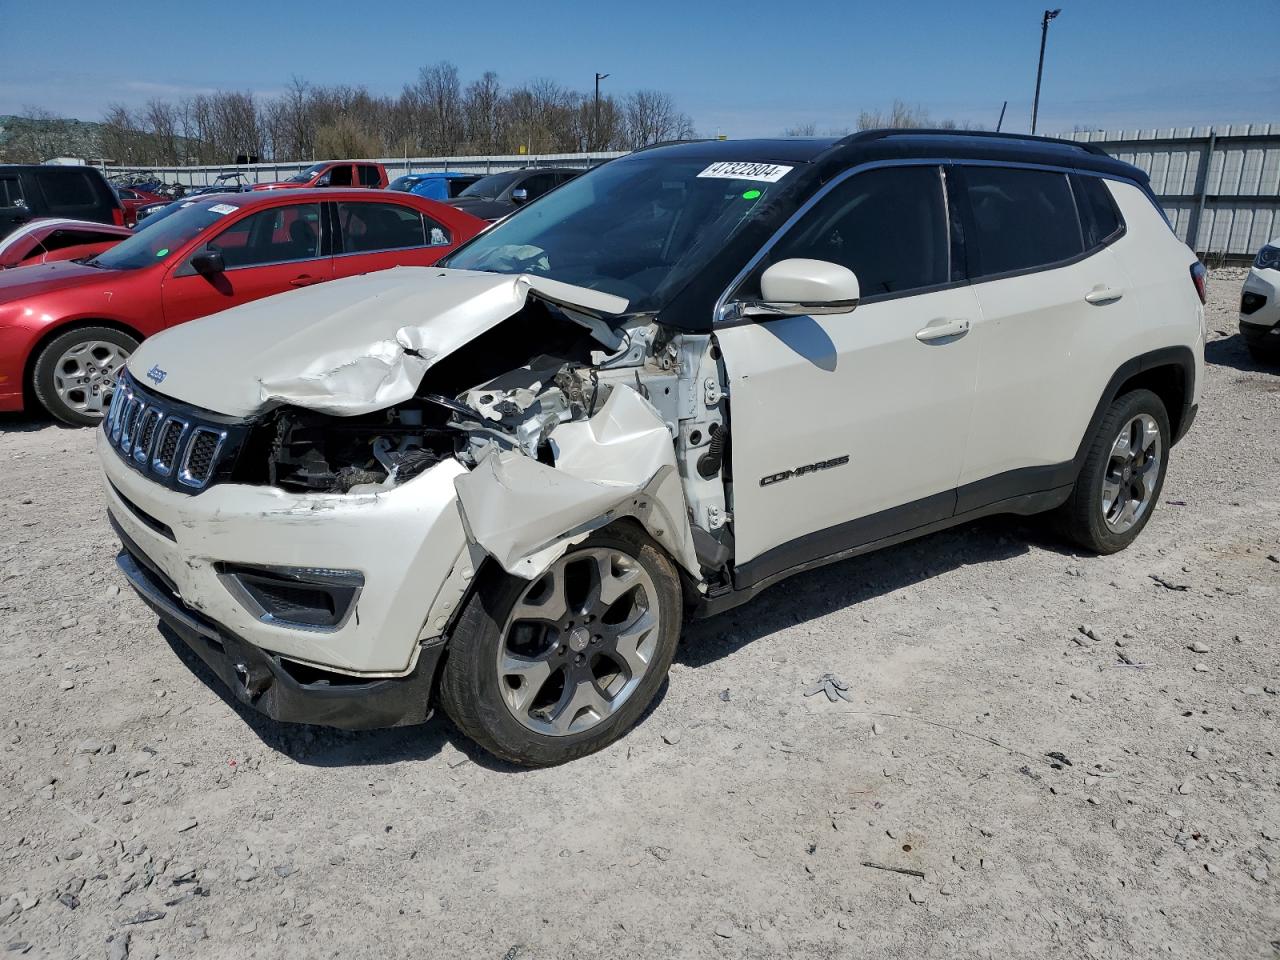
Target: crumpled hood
column 345, row 347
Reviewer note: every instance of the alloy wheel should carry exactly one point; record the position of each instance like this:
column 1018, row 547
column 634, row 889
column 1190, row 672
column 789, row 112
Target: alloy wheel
column 85, row 375
column 578, row 642
column 1133, row 468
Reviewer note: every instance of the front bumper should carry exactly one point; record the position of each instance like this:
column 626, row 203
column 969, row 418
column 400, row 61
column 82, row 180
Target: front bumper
column 267, row 683
column 405, row 542
column 1260, row 307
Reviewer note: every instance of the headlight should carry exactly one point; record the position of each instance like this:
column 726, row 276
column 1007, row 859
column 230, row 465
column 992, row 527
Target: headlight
column 1268, row 258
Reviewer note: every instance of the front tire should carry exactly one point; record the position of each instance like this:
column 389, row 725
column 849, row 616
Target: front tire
column 1119, row 485
column 545, row 671
column 76, row 372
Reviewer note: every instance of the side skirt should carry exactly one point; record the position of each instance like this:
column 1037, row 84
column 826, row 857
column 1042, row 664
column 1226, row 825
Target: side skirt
column 1022, row 504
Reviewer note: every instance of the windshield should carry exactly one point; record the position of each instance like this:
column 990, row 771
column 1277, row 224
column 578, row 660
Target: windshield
column 164, row 233
column 637, row 227
column 403, row 183
column 304, row 175
column 490, row 187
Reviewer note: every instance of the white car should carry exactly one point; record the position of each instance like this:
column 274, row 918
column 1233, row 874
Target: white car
column 1260, row 304
column 499, row 486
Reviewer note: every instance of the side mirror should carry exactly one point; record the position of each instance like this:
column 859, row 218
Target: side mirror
column 799, row 287
column 519, row 195
column 207, row 263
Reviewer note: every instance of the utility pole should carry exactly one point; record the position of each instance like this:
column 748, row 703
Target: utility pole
column 595, row 123
column 1044, row 34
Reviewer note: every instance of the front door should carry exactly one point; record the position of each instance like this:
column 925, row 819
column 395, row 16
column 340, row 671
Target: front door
column 851, row 427
column 268, row 251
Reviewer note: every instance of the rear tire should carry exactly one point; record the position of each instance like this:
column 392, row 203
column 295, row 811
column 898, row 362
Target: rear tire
column 537, row 687
column 76, row 372
column 1119, row 485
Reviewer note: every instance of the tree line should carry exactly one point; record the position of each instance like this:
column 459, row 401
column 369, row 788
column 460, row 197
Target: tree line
column 436, row 115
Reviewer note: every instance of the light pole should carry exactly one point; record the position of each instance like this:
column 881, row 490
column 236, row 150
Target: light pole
column 1044, row 33
column 595, row 123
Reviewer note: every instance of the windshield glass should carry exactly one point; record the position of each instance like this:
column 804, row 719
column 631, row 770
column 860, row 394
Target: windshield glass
column 305, row 175
column 403, row 183
column 490, row 187
column 637, row 227
column 163, row 234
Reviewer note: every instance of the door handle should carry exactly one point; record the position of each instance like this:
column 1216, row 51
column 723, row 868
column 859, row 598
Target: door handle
column 1100, row 295
column 304, row 281
column 943, row 330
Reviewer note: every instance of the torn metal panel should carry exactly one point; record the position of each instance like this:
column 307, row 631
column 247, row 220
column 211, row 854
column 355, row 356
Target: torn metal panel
column 368, row 339
column 621, row 462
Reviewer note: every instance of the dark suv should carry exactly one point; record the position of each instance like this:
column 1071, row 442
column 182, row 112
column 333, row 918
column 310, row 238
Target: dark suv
column 497, row 196
column 77, row 193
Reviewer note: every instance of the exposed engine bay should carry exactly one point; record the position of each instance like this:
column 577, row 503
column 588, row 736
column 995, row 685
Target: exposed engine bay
column 566, row 422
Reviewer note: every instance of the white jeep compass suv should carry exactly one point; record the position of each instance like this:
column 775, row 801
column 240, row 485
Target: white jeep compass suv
column 499, row 485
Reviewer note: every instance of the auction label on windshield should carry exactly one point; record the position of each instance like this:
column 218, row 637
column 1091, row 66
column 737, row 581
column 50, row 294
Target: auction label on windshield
column 743, row 170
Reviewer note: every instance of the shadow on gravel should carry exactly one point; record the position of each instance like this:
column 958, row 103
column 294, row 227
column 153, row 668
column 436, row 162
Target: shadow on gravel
column 326, row 747
column 816, row 593
column 29, row 423
column 1232, row 352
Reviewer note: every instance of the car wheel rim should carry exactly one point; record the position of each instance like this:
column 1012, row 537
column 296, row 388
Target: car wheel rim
column 578, row 642
column 1129, row 484
column 85, row 375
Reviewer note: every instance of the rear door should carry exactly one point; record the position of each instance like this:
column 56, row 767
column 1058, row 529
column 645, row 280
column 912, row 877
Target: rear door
column 374, row 235
column 268, row 251
column 851, row 427
column 1055, row 303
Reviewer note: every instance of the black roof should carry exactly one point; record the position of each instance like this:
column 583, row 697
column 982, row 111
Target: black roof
column 870, row 145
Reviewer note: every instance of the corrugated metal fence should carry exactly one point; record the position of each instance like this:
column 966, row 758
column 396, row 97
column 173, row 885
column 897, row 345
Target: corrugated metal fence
column 265, row 172
column 1219, row 185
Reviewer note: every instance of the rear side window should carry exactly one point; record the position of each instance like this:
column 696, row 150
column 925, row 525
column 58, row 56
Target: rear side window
column 67, row 191
column 888, row 226
column 1022, row 219
column 11, row 192
column 1099, row 217
column 538, row 184
column 369, row 176
column 367, row 227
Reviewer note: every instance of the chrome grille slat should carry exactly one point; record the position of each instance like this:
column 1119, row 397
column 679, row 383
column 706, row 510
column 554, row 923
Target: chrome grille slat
column 167, row 440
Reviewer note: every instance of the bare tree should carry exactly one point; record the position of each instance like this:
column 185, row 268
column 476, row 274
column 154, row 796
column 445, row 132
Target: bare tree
column 651, row 117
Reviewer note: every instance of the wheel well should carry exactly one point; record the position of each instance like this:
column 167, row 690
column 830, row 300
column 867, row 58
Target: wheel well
column 29, row 399
column 1169, row 383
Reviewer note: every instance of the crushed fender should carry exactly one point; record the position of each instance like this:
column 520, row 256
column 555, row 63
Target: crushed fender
column 618, row 463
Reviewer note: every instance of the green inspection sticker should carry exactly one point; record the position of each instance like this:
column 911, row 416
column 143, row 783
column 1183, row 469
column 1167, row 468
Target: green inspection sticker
column 751, row 195
column 162, row 252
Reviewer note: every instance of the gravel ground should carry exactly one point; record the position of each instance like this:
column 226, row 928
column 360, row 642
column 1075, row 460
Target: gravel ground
column 1078, row 753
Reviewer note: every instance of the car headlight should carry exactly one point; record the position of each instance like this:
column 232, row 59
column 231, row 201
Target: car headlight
column 1268, row 258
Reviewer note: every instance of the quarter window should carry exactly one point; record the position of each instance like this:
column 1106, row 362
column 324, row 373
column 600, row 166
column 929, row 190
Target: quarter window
column 11, row 192
column 274, row 235
column 888, row 226
column 67, row 190
column 369, row 175
column 1099, row 217
column 1022, row 219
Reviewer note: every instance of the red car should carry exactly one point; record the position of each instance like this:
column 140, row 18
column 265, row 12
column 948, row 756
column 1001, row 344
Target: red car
column 334, row 173
column 67, row 328
column 131, row 198
column 57, row 238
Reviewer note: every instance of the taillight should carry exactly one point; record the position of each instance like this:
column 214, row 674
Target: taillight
column 1200, row 276
column 117, row 216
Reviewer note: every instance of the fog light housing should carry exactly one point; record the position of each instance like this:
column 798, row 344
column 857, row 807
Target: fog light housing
column 309, row 598
column 1252, row 303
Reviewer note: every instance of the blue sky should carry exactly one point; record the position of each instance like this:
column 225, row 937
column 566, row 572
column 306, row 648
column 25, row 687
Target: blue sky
column 742, row 69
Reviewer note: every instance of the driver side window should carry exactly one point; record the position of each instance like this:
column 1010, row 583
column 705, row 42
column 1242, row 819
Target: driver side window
column 274, row 235
column 889, row 226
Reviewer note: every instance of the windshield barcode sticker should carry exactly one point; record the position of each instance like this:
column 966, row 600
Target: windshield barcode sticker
column 743, row 170
column 223, row 208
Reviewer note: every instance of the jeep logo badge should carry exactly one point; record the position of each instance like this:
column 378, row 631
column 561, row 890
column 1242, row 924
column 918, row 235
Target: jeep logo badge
column 156, row 375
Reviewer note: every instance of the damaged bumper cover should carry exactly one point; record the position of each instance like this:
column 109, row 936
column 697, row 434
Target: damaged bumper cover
column 266, row 683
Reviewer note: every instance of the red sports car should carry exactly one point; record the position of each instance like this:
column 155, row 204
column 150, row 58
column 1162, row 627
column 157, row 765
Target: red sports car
column 67, row 328
column 57, row 238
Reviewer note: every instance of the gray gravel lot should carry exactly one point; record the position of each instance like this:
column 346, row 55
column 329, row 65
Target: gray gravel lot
column 1080, row 758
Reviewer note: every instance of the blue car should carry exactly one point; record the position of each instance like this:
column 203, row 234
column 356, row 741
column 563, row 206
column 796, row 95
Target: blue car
column 434, row 185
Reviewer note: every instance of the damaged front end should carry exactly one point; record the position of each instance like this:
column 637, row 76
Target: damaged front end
column 567, row 414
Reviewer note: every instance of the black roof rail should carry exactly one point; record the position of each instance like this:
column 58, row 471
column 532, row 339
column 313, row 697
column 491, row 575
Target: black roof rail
column 867, row 136
column 673, row 143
